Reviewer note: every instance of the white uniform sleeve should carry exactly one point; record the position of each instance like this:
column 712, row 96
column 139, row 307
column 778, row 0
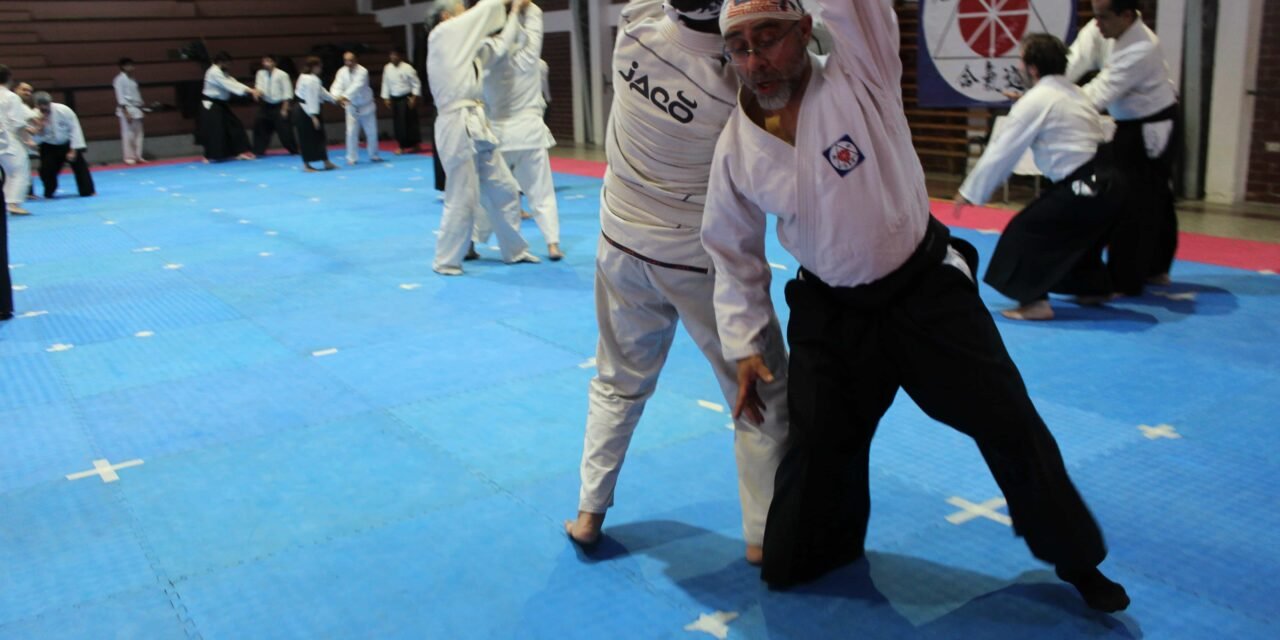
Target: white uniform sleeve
column 733, row 233
column 1020, row 129
column 866, row 40
column 262, row 81
column 1086, row 52
column 454, row 42
column 1124, row 70
column 77, row 134
column 341, row 80
column 288, row 86
column 385, row 94
column 499, row 46
column 118, row 85
column 528, row 51
column 415, row 84
column 229, row 83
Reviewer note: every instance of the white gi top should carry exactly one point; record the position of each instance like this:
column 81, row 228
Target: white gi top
column 61, row 126
column 128, row 98
column 513, row 89
column 850, row 195
column 1133, row 80
column 9, row 143
column 1056, row 120
column 220, row 86
column 274, row 85
column 399, row 80
column 352, row 85
column 311, row 94
column 672, row 95
column 460, row 49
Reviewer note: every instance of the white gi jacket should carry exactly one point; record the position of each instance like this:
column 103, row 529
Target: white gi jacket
column 513, row 89
column 399, row 80
column 1133, row 80
column 128, row 98
column 458, row 52
column 14, row 118
column 672, row 94
column 220, row 86
column 850, row 195
column 1056, row 120
column 354, row 86
column 61, row 126
column 311, row 94
column 274, row 85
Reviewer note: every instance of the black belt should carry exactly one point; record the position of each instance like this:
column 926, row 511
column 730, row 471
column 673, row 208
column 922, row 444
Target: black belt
column 874, row 295
column 1164, row 115
column 657, row 263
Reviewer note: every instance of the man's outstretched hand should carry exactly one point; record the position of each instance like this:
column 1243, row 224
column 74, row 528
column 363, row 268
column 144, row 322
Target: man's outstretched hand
column 751, row 369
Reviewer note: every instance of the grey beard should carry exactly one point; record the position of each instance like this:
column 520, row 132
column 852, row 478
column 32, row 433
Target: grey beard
column 777, row 101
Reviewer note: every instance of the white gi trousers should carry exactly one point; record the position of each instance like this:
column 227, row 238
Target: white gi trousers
column 131, row 136
column 17, row 170
column 532, row 171
column 637, row 307
column 477, row 174
column 362, row 117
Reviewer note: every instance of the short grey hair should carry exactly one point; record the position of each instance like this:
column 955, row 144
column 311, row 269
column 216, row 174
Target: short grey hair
column 42, row 98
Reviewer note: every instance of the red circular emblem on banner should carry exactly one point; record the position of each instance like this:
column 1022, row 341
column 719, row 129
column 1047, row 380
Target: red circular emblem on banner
column 993, row 28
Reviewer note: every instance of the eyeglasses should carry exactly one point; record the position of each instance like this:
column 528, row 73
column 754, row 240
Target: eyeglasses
column 739, row 56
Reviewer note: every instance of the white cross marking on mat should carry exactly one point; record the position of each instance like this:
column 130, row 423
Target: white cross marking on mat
column 34, row 314
column 410, row 286
column 1159, row 431
column 1187, row 296
column 60, row 347
column 144, row 334
column 146, row 249
column 173, row 266
column 19, row 287
column 984, row 510
column 715, row 624
column 711, row 405
column 105, row 470
column 779, row 267
column 590, row 362
column 324, row 352
column 989, row 232
column 1267, row 272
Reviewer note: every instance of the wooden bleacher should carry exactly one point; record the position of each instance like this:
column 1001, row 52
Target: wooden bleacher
column 70, row 47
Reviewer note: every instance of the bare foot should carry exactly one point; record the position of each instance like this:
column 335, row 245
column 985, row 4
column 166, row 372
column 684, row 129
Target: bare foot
column 309, row 169
column 525, row 215
column 246, row 156
column 18, row 211
column 1095, row 301
column 755, row 554
column 585, row 531
column 397, row 151
column 329, row 166
column 1038, row 310
column 553, row 252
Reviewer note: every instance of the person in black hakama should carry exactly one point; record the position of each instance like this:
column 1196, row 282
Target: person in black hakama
column 221, row 132
column 401, row 90
column 307, row 123
column 1054, row 244
column 273, row 107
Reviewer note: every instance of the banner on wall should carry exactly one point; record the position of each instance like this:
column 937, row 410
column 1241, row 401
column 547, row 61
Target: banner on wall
column 969, row 49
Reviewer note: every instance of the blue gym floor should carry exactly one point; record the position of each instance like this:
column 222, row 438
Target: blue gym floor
column 336, row 443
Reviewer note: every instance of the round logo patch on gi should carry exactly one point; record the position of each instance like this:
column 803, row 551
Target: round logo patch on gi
column 844, row 156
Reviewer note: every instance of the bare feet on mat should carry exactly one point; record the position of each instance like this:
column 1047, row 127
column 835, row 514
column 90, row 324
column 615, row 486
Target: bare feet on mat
column 309, row 169
column 397, row 151
column 1162, row 280
column 329, row 166
column 585, row 531
column 248, row 155
column 1038, row 310
column 448, row 271
column 1098, row 591
column 553, row 252
column 525, row 257
column 755, row 554
column 18, row 211
column 525, row 215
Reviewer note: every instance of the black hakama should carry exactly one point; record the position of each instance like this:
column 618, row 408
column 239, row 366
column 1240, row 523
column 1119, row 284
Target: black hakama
column 405, row 122
column 1055, row 244
column 268, row 121
column 52, row 159
column 312, row 140
column 6, row 286
column 1146, row 237
column 922, row 328
column 221, row 132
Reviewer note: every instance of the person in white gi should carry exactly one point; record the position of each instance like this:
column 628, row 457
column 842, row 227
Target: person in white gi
column 352, row 90
column 61, row 141
column 513, row 95
column 885, row 298
column 458, row 51
column 672, row 97
column 401, row 89
column 16, row 119
column 273, row 107
column 222, row 134
column 129, row 108
column 1135, row 87
column 1055, row 244
column 6, row 141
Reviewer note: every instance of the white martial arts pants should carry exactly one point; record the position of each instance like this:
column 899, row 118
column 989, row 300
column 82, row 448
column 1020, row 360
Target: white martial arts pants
column 479, row 187
column 637, row 307
column 532, row 170
column 17, row 171
column 363, row 117
column 131, row 136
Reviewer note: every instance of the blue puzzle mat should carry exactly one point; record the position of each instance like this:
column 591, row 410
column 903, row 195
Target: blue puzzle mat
column 237, row 403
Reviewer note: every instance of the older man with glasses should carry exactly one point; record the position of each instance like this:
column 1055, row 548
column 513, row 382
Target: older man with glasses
column 885, row 298
column 61, row 142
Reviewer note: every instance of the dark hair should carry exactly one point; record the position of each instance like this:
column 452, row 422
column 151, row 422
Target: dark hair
column 398, row 50
column 5, row 74
column 125, row 61
column 352, row 52
column 221, row 57
column 270, row 56
column 1120, row 6
column 312, row 62
column 1046, row 53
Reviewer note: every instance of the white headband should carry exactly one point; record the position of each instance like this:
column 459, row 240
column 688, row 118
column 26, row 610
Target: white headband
column 736, row 12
